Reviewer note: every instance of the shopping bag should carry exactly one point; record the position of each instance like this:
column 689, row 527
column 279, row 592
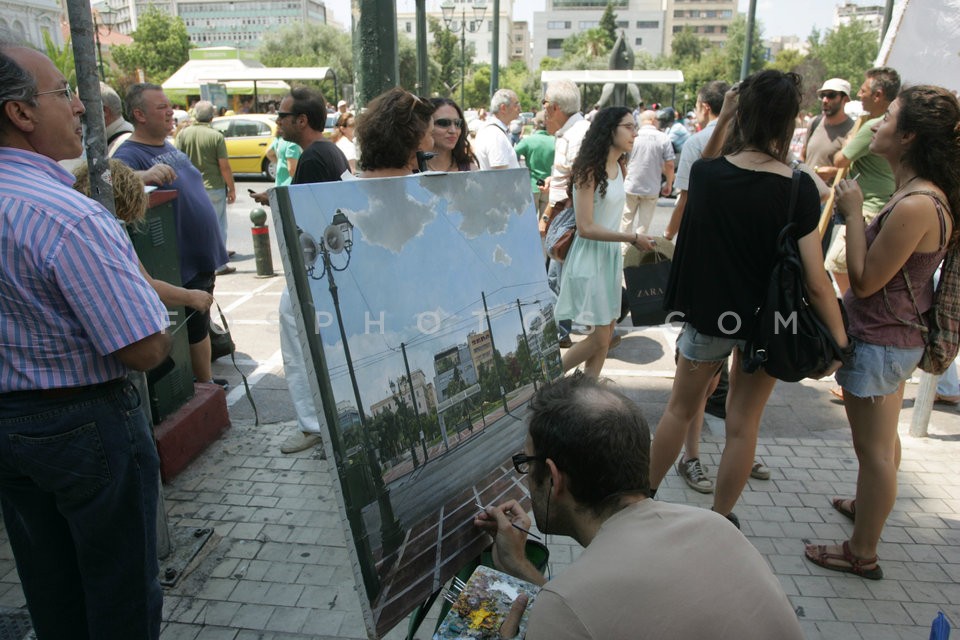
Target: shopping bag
column 646, row 286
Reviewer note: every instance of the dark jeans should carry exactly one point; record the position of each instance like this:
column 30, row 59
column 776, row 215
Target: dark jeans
column 554, row 269
column 79, row 484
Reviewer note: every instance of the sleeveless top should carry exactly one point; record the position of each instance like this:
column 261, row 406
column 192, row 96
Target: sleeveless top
column 888, row 322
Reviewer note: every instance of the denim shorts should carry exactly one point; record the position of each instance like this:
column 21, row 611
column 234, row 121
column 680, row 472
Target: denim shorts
column 875, row 371
column 699, row 347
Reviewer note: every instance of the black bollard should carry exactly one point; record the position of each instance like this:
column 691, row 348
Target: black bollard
column 261, row 243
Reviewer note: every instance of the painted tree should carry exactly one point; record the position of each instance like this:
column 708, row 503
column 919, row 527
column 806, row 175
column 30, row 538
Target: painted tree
column 160, row 46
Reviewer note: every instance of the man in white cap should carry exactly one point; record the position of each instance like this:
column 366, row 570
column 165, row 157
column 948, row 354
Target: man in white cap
column 342, row 107
column 827, row 132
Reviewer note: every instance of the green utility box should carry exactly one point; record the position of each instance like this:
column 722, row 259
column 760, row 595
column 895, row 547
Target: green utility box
column 155, row 241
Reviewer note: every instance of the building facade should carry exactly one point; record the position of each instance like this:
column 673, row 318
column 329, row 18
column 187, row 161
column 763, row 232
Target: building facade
column 31, row 19
column 235, row 23
column 871, row 16
column 480, row 40
column 708, row 19
column 642, row 22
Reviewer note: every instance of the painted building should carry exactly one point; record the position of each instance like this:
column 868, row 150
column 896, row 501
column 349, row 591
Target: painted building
column 453, row 363
column 422, row 392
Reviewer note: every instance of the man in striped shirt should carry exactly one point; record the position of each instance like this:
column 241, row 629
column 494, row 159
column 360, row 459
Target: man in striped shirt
column 78, row 465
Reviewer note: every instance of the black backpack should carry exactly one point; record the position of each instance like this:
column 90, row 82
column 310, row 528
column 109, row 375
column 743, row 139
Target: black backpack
column 788, row 340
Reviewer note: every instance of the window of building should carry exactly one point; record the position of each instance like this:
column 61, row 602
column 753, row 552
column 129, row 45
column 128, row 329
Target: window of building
column 638, row 41
column 588, row 24
column 558, row 24
column 408, row 27
column 709, row 29
column 623, row 24
column 648, row 24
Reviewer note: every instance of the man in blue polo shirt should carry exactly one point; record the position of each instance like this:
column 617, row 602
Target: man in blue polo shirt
column 79, row 473
column 199, row 238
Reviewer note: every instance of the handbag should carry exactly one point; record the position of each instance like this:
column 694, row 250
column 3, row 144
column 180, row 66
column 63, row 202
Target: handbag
column 788, row 340
column 646, row 285
column 560, row 234
column 940, row 325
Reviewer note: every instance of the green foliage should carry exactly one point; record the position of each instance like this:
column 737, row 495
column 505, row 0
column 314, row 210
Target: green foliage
column 445, row 49
column 847, row 51
column 787, row 60
column 62, row 58
column 608, row 24
column 160, row 46
column 732, row 52
column 524, row 83
column 687, row 47
column 477, row 90
column 309, row 44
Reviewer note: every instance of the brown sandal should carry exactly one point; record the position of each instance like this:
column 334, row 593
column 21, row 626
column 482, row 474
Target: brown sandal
column 851, row 513
column 818, row 555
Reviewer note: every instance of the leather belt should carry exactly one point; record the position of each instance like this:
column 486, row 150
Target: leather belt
column 63, row 393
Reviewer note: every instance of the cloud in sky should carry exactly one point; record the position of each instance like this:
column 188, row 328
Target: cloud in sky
column 501, row 256
column 393, row 216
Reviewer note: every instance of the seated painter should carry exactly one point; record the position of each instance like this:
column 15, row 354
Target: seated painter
column 649, row 569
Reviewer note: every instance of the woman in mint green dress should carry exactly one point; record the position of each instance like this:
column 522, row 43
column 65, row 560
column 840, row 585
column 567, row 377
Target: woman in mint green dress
column 590, row 280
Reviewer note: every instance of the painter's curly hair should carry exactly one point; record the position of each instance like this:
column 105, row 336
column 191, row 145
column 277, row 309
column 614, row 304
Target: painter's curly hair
column 128, row 193
column 591, row 163
column 389, row 132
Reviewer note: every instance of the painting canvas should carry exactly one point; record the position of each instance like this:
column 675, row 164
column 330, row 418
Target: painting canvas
column 428, row 324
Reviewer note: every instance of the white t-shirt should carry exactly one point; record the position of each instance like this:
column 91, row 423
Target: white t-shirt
column 492, row 146
column 349, row 149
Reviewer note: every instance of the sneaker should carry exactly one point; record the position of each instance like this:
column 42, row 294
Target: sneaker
column 759, row 470
column 565, row 343
column 695, row 475
column 300, row 441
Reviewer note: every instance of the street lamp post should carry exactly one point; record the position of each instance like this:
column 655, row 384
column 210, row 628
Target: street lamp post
column 462, row 26
column 105, row 16
column 338, row 238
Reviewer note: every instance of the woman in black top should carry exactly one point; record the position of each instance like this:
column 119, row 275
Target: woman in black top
column 737, row 204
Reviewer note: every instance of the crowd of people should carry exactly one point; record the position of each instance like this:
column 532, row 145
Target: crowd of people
column 78, row 310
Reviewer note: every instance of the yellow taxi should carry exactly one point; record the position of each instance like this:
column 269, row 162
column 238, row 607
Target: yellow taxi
column 248, row 138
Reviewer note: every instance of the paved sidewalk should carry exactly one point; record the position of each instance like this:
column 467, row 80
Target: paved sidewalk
column 277, row 566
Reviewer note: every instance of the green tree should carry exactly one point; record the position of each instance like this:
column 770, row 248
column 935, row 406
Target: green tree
column 62, row 58
column 847, row 51
column 445, row 49
column 477, row 91
column 309, row 44
column 732, row 52
column 608, row 24
column 160, row 46
column 687, row 47
column 787, row 60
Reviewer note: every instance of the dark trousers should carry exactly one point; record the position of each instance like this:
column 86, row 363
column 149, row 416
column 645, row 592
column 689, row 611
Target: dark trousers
column 79, row 484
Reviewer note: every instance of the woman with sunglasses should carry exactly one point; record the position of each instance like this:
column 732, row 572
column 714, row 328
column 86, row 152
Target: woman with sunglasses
column 343, row 138
column 450, row 142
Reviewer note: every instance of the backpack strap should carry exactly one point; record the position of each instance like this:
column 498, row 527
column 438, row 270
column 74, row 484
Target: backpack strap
column 939, row 204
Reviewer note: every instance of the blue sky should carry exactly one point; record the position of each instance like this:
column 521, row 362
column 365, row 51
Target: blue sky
column 779, row 17
column 424, row 249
